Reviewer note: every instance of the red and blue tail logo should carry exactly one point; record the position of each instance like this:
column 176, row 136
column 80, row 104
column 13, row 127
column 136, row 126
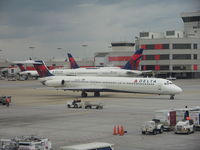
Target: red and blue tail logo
column 21, row 67
column 42, row 69
column 133, row 63
column 72, row 61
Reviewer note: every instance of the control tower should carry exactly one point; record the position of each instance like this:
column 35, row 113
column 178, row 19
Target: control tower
column 191, row 24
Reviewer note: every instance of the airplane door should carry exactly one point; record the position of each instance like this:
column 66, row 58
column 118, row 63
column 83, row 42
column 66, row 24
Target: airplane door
column 159, row 87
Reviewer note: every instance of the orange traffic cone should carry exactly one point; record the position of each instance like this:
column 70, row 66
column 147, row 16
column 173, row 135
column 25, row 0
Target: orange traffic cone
column 118, row 130
column 114, row 131
column 122, row 131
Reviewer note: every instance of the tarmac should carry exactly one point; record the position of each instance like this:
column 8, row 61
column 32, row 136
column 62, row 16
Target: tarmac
column 36, row 110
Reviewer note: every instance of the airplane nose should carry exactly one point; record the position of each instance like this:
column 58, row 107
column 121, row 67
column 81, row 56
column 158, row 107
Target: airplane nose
column 178, row 89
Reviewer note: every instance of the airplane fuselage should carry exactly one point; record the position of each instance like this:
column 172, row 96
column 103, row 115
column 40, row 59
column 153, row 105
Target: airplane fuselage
column 113, row 84
column 109, row 72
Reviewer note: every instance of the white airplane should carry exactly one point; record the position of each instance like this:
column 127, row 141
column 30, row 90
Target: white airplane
column 106, row 84
column 24, row 72
column 126, row 71
column 129, row 70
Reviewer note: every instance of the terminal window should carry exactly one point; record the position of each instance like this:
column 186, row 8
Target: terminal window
column 150, row 46
column 144, row 34
column 164, row 67
column 181, row 56
column 195, row 46
column 195, row 56
column 191, row 19
column 182, row 67
column 181, row 46
column 164, row 57
column 168, row 33
column 150, row 67
column 148, row 57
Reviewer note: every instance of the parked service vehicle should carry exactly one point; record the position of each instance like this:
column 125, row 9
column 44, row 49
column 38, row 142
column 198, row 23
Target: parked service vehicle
column 5, row 99
column 33, row 143
column 90, row 105
column 8, row 144
column 186, row 126
column 75, row 104
column 152, row 127
column 90, row 146
column 167, row 118
column 195, row 116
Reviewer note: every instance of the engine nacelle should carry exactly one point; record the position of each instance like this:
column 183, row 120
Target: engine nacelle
column 55, row 83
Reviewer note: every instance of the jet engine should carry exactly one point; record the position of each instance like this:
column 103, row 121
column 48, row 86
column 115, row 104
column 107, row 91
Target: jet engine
column 55, row 83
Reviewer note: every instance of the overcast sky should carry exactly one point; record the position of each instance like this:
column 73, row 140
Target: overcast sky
column 68, row 24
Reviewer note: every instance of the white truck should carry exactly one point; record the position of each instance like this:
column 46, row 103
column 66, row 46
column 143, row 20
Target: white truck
column 185, row 126
column 90, row 146
column 33, row 143
column 75, row 104
column 152, row 127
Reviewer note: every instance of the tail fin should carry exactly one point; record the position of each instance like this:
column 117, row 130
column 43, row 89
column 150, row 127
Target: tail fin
column 21, row 67
column 42, row 69
column 134, row 61
column 72, row 61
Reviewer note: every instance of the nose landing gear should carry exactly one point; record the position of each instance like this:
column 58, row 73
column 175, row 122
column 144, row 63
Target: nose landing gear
column 172, row 97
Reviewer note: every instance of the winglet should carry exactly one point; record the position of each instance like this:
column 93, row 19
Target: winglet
column 42, row 69
column 134, row 61
column 72, row 61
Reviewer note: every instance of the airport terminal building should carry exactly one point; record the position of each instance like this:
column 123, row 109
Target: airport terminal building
column 171, row 53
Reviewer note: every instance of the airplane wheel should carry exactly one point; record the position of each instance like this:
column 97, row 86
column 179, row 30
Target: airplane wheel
column 96, row 94
column 172, row 97
column 84, row 94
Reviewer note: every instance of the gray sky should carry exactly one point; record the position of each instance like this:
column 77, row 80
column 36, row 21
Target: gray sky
column 68, row 24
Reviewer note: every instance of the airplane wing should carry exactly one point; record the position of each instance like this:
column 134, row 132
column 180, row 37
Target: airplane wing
column 147, row 71
column 133, row 72
column 137, row 72
column 82, row 89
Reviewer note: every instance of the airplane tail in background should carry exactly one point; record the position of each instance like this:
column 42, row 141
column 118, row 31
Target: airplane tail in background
column 21, row 67
column 72, row 61
column 134, row 61
column 42, row 69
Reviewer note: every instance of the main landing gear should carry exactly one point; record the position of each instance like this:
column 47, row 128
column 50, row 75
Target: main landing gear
column 84, row 94
column 96, row 94
column 172, row 97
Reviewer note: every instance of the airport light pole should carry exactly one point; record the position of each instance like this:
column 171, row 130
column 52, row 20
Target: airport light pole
column 85, row 48
column 32, row 49
column 0, row 52
column 62, row 51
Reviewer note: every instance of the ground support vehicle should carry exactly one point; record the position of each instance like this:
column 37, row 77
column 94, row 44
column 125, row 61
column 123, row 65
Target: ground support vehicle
column 90, row 146
column 195, row 116
column 90, row 105
column 167, row 118
column 8, row 144
column 5, row 99
column 186, row 126
column 152, row 127
column 33, row 143
column 75, row 104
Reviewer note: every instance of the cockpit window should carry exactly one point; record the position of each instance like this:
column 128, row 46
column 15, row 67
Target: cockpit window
column 168, row 82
